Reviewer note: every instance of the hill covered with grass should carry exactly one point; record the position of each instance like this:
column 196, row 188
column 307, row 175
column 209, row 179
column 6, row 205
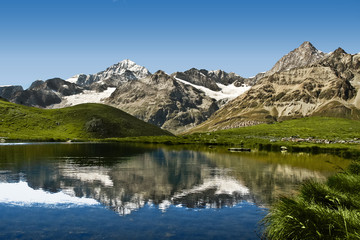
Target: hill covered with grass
column 85, row 121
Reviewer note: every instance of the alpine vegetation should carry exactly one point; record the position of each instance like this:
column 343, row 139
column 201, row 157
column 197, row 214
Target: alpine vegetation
column 320, row 211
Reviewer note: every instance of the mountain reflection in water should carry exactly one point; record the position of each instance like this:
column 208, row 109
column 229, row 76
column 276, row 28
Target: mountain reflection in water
column 125, row 178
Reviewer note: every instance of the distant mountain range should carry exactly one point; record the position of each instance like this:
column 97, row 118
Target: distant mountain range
column 174, row 102
column 304, row 82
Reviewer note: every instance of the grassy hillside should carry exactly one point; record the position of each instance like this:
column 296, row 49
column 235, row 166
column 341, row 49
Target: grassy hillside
column 83, row 121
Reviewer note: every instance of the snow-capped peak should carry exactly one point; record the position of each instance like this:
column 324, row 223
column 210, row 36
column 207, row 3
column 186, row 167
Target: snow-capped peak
column 128, row 65
column 114, row 75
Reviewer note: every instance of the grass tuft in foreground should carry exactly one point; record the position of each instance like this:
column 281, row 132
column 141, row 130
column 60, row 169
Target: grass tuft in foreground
column 320, row 211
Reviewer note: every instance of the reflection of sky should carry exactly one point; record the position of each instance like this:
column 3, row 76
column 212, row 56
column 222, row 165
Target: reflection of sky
column 21, row 194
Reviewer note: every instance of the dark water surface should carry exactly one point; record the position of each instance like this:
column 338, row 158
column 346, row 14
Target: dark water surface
column 118, row 191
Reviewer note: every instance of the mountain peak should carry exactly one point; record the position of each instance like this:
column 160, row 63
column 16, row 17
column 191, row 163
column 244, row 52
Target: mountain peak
column 339, row 51
column 306, row 54
column 160, row 72
column 307, row 45
column 126, row 63
column 114, row 75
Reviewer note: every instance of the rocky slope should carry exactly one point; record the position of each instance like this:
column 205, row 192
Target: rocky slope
column 210, row 79
column 326, row 87
column 162, row 100
column 220, row 85
column 8, row 91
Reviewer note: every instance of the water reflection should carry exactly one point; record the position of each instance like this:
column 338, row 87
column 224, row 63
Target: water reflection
column 20, row 194
column 125, row 178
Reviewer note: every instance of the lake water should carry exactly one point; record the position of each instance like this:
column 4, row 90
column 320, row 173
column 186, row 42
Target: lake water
column 119, row 191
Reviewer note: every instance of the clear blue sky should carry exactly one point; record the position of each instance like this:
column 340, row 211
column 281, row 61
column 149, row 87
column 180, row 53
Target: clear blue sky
column 41, row 39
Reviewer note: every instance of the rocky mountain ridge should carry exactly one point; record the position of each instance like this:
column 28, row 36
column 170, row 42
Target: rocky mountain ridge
column 326, row 87
column 163, row 101
column 45, row 93
column 305, row 55
column 8, row 91
column 211, row 79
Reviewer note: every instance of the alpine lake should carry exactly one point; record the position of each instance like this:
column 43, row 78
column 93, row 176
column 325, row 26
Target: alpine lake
column 134, row 191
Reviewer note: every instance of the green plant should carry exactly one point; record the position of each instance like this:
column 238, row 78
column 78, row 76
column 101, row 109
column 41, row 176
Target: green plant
column 320, row 211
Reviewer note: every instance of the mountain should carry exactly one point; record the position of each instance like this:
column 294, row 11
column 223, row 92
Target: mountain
column 305, row 55
column 8, row 91
column 326, row 87
column 177, row 102
column 113, row 76
column 83, row 121
column 45, row 93
column 163, row 101
column 98, row 87
column 166, row 101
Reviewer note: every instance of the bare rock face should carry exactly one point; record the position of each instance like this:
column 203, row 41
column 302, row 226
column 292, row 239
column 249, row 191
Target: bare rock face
column 36, row 98
column 328, row 87
column 113, row 76
column 58, row 85
column 163, row 101
column 7, row 92
column 45, row 93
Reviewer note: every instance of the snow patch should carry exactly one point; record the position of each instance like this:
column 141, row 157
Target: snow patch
column 227, row 92
column 73, row 79
column 88, row 96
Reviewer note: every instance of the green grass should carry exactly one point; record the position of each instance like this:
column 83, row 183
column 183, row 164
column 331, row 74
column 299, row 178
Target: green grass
column 316, row 127
column 320, row 211
column 268, row 136
column 85, row 121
